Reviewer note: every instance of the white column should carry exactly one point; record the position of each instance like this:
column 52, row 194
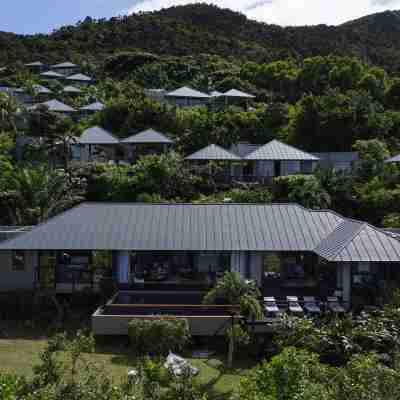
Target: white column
column 123, row 266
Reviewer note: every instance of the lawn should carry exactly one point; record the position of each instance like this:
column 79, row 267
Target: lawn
column 20, row 352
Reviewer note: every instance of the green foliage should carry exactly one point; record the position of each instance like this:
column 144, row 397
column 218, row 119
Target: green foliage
column 158, row 336
column 291, row 375
column 235, row 290
column 10, row 386
column 245, row 195
column 303, row 189
column 392, row 220
column 337, row 340
column 33, row 194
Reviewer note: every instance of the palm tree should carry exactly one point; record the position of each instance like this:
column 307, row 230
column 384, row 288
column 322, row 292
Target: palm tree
column 236, row 291
column 32, row 195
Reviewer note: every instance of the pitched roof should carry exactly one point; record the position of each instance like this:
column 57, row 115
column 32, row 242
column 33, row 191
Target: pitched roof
column 238, row 94
column 148, row 136
column 79, row 78
column 338, row 157
column 66, row 64
column 181, row 227
column 56, row 106
column 213, row 152
column 97, row 135
column 187, row 92
column 243, row 149
column 72, row 89
column 41, row 89
column 52, row 74
column 395, row 159
column 96, row 106
column 276, row 150
column 35, row 64
column 215, row 93
column 355, row 241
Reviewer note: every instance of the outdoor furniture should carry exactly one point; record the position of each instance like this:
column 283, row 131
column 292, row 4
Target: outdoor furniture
column 270, row 306
column 294, row 306
column 179, row 366
column 334, row 305
column 310, row 305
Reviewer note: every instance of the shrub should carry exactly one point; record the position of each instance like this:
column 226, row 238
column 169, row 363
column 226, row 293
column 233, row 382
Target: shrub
column 158, row 336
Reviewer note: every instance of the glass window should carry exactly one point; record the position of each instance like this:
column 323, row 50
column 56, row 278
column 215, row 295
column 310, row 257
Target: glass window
column 18, row 261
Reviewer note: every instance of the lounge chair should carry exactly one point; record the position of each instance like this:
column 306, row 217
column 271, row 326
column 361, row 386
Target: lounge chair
column 334, row 305
column 294, row 306
column 310, row 305
column 270, row 306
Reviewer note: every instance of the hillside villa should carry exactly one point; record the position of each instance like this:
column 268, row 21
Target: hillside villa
column 171, row 254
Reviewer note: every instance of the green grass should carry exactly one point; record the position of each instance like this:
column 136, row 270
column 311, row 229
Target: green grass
column 19, row 353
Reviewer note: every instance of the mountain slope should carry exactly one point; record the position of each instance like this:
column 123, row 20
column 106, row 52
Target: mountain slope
column 201, row 28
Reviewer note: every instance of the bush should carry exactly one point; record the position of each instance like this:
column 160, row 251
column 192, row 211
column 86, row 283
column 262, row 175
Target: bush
column 158, row 336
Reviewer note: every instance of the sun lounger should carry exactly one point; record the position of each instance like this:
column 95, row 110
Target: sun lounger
column 294, row 306
column 311, row 305
column 334, row 305
column 270, row 305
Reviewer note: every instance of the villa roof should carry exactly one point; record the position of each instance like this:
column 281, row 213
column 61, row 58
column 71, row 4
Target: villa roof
column 96, row 106
column 148, row 136
column 56, row 106
column 72, row 89
column 97, row 135
column 395, row 159
column 210, row 227
column 79, row 78
column 187, row 92
column 52, row 74
column 41, row 89
column 238, row 94
column 213, row 152
column 356, row 241
column 66, row 64
column 276, row 150
column 35, row 64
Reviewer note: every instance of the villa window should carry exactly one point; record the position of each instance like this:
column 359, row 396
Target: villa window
column 18, row 261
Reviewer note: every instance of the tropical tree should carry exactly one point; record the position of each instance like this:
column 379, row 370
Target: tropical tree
column 33, row 194
column 235, row 290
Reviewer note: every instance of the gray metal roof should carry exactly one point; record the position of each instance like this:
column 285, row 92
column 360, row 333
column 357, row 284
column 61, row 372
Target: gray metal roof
column 41, row 89
column 97, row 135
column 210, row 227
column 71, row 89
column 213, row 152
column 338, row 157
column 187, row 92
column 238, row 94
column 10, row 232
column 52, row 74
column 355, row 241
column 215, row 93
column 56, row 106
column 148, row 136
column 66, row 64
column 243, row 149
column 79, row 78
column 276, row 150
column 97, row 106
column 395, row 159
column 35, row 64
column 180, row 227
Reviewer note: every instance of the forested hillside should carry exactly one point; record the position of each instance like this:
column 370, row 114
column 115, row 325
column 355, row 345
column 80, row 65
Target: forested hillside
column 200, row 28
column 321, row 89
